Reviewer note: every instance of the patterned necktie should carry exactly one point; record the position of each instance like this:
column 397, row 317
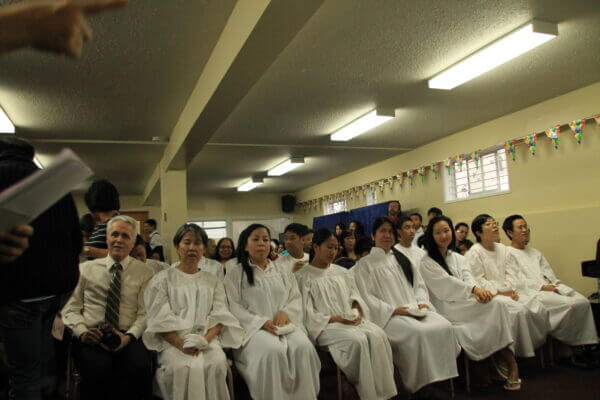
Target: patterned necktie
column 113, row 299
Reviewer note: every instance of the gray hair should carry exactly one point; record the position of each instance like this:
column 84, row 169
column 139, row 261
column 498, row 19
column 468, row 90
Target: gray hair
column 198, row 232
column 123, row 218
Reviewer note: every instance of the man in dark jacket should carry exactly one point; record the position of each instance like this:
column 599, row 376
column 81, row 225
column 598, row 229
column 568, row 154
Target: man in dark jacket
column 31, row 284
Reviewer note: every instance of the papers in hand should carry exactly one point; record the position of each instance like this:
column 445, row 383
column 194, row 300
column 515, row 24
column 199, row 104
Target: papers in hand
column 284, row 330
column 27, row 199
column 351, row 315
column 417, row 312
column 194, row 340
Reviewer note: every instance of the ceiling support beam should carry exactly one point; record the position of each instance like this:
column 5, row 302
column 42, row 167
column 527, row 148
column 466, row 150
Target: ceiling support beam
column 254, row 36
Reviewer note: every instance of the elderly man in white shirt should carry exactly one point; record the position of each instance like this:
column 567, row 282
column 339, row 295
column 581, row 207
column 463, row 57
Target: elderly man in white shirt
column 106, row 313
column 570, row 313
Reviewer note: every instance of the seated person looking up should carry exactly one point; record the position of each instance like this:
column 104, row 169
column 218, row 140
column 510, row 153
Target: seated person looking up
column 295, row 257
column 571, row 318
column 106, row 313
column 494, row 269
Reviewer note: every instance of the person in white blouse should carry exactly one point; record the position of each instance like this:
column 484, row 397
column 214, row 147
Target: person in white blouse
column 276, row 359
column 423, row 342
column 571, row 317
column 494, row 269
column 481, row 325
column 336, row 317
column 188, row 324
column 406, row 245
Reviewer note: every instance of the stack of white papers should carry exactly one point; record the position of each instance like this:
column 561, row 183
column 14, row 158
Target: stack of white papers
column 27, row 199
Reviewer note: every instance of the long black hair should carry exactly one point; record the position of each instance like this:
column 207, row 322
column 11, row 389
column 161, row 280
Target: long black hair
column 360, row 230
column 431, row 246
column 321, row 235
column 242, row 254
column 343, row 236
column 404, row 262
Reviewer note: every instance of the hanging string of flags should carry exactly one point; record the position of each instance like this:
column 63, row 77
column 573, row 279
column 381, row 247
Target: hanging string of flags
column 576, row 126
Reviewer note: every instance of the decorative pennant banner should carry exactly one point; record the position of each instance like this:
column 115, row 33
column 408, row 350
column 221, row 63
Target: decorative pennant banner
column 448, row 163
column 531, row 142
column 411, row 176
column 381, row 185
column 552, row 134
column 511, row 148
column 577, row 128
column 422, row 172
column 476, row 156
column 400, row 178
column 461, row 158
column 435, row 168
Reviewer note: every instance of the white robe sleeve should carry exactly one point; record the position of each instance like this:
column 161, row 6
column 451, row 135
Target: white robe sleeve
column 547, row 270
column 421, row 293
column 464, row 272
column 442, row 285
column 355, row 295
column 380, row 311
column 231, row 334
column 515, row 277
column 475, row 262
column 315, row 322
column 293, row 305
column 160, row 316
column 251, row 322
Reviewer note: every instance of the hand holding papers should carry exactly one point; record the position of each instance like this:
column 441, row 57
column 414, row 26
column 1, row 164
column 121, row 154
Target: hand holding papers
column 30, row 197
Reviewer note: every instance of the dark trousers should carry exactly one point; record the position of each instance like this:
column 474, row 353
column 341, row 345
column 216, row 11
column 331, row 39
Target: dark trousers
column 126, row 374
column 25, row 330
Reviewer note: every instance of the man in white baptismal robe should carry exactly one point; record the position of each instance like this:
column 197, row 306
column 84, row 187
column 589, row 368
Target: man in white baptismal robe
column 406, row 243
column 571, row 316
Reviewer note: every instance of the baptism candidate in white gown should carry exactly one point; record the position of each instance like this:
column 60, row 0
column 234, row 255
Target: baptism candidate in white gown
column 495, row 269
column 482, row 326
column 337, row 318
column 571, row 318
column 277, row 360
column 188, row 324
column 208, row 265
column 424, row 345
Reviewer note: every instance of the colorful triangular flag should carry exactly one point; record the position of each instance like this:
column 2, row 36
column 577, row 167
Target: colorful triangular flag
column 577, row 127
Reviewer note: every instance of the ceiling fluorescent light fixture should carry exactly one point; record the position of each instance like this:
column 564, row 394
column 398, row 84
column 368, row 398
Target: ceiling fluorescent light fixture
column 251, row 184
column 286, row 166
column 363, row 124
column 6, row 125
column 520, row 41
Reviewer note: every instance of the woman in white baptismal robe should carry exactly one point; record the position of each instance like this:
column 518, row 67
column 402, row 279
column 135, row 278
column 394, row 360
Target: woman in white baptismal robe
column 494, row 269
column 277, row 360
column 337, row 318
column 187, row 324
column 481, row 325
column 208, row 265
column 423, row 342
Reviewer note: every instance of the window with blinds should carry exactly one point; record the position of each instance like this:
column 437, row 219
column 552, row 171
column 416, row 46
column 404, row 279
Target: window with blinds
column 333, row 207
column 468, row 180
column 213, row 229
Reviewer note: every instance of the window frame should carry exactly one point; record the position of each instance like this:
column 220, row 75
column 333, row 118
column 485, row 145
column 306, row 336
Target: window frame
column 450, row 185
column 331, row 203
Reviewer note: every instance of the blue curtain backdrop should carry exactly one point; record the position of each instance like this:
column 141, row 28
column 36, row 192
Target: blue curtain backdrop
column 331, row 220
column 364, row 215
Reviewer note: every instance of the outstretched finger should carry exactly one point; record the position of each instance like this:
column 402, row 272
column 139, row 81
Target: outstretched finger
column 93, row 7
